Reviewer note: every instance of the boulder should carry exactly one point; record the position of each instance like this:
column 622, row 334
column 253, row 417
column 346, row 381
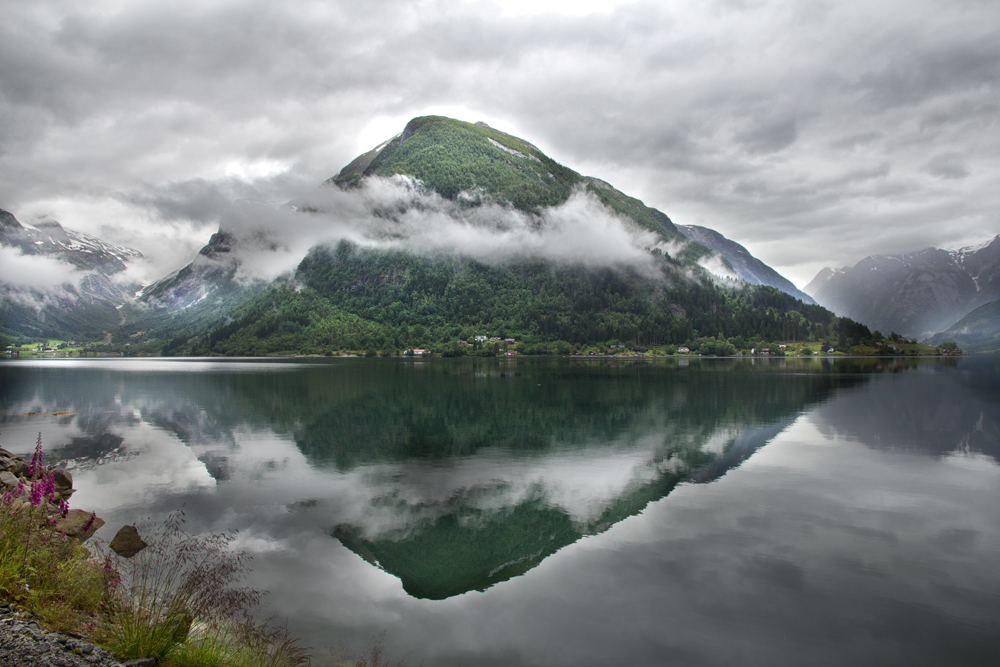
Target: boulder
column 7, row 463
column 127, row 542
column 8, row 479
column 79, row 524
column 63, row 480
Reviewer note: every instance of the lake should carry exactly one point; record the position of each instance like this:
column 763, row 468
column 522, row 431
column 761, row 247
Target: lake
column 564, row 511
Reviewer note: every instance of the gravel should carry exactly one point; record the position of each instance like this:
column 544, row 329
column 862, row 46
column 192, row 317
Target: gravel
column 23, row 644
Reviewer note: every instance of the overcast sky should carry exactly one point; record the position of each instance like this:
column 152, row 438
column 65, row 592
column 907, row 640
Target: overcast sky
column 814, row 133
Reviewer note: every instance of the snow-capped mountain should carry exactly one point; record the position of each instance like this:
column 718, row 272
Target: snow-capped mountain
column 915, row 294
column 61, row 281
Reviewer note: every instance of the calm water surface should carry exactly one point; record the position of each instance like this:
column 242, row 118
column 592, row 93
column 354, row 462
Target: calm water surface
column 563, row 512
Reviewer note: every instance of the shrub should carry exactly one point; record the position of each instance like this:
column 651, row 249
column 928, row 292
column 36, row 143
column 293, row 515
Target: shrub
column 178, row 580
column 248, row 643
column 50, row 574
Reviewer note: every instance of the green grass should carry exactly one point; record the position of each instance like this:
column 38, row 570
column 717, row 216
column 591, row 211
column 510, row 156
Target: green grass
column 28, row 349
column 238, row 645
column 143, row 607
column 52, row 576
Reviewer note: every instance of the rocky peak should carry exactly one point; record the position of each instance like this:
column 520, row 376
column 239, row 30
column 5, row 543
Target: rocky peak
column 8, row 221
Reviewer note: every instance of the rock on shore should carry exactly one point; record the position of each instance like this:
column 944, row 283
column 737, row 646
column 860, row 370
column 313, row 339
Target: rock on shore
column 23, row 644
column 15, row 472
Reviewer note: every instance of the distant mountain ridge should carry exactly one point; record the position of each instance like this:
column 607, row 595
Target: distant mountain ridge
column 914, row 294
column 86, row 309
column 747, row 267
column 979, row 331
column 49, row 238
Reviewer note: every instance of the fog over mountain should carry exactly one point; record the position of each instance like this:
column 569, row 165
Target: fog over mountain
column 257, row 243
column 916, row 294
column 58, row 282
column 811, row 133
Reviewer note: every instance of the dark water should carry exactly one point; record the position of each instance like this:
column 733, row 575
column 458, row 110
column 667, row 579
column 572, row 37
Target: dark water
column 558, row 512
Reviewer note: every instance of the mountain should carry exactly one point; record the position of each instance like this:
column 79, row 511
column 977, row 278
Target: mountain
column 452, row 230
column 747, row 267
column 979, row 331
column 916, row 294
column 81, row 301
column 473, row 166
column 455, row 159
column 822, row 278
column 211, row 270
column 49, row 238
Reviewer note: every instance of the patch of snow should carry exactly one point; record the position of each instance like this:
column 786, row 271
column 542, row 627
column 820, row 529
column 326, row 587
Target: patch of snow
column 512, row 151
column 968, row 250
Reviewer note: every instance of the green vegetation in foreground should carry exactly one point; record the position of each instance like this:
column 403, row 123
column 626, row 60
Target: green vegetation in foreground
column 174, row 601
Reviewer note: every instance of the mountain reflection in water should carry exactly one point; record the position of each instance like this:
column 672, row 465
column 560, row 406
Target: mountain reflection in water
column 475, row 471
column 820, row 512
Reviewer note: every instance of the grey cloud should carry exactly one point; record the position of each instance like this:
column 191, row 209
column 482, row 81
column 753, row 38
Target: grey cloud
column 913, row 75
column 769, row 137
column 682, row 105
column 946, row 166
column 856, row 140
column 35, row 272
column 207, row 200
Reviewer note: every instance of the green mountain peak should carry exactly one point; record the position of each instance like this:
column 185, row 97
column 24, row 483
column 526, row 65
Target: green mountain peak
column 452, row 156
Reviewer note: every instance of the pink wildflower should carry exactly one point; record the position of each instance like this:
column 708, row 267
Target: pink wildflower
column 36, row 460
column 49, row 486
column 36, row 493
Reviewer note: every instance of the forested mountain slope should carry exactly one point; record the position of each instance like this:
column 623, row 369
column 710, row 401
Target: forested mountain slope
column 452, row 230
column 979, row 331
column 746, row 266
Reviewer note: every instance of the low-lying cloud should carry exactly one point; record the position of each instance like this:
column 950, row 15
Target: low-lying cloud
column 35, row 272
column 397, row 213
column 35, row 281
